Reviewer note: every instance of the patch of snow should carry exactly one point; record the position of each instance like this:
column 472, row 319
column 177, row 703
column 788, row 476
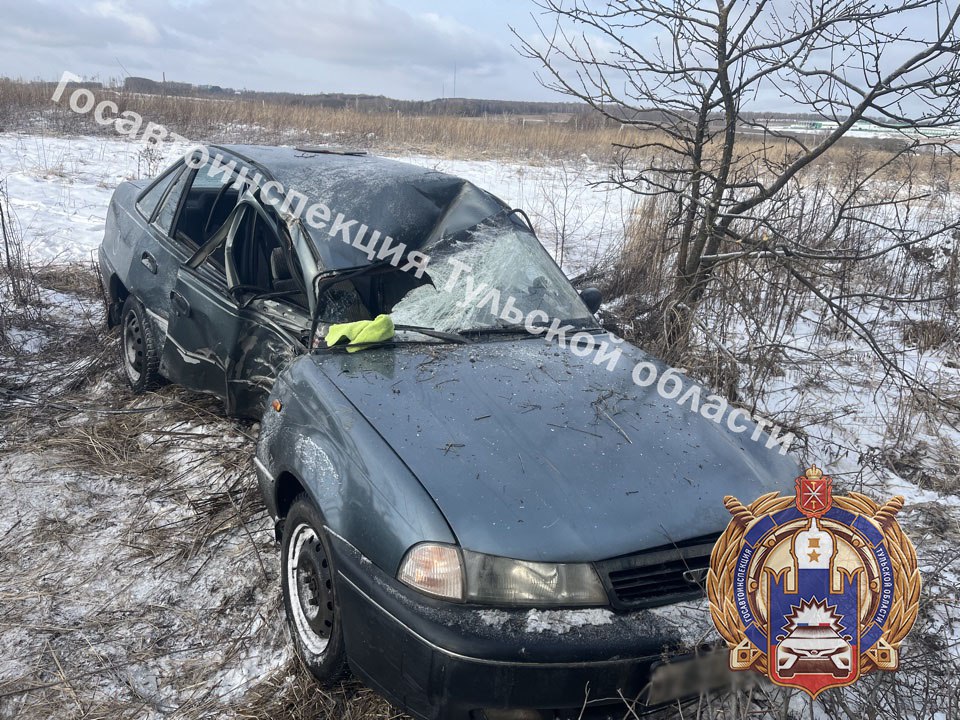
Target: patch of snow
column 27, row 341
column 563, row 621
column 493, row 618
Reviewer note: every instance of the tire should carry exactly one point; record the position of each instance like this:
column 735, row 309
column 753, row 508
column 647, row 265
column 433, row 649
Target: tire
column 309, row 593
column 139, row 348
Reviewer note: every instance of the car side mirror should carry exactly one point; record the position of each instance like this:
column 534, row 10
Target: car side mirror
column 592, row 298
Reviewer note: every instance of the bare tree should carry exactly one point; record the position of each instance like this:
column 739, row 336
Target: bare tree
column 689, row 81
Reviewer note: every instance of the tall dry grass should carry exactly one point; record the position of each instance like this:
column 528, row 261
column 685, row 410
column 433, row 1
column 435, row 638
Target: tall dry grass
column 29, row 105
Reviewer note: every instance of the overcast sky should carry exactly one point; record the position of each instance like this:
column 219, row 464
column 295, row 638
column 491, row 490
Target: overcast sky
column 399, row 48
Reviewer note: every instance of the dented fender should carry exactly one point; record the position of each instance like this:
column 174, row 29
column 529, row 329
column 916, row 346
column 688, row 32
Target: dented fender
column 359, row 483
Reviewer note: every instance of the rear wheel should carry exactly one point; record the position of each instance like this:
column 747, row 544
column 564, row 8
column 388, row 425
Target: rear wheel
column 139, row 349
column 309, row 593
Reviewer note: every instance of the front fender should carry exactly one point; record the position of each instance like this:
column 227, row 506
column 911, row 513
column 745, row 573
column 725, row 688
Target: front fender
column 366, row 494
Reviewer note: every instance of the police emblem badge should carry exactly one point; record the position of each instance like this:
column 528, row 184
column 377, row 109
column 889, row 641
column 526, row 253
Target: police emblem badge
column 813, row 590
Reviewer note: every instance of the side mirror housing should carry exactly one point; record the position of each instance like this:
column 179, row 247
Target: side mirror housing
column 592, row 298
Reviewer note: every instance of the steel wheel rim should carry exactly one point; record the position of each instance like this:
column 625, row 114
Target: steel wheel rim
column 133, row 347
column 310, row 585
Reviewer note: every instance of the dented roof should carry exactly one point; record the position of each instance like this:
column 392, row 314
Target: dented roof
column 407, row 203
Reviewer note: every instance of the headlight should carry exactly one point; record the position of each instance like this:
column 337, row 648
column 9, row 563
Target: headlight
column 437, row 570
column 502, row 581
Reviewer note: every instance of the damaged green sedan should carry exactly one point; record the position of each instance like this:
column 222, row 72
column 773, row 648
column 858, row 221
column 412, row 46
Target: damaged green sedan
column 479, row 510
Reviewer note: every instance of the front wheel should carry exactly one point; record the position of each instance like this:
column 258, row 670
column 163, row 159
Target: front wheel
column 309, row 593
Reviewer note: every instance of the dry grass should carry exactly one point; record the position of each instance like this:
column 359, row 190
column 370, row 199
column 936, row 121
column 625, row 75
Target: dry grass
column 138, row 570
column 240, row 120
column 28, row 106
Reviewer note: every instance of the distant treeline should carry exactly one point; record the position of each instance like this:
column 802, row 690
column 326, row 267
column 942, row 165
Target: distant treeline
column 580, row 115
column 466, row 107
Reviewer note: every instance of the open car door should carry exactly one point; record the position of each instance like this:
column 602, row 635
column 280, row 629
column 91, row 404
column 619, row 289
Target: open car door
column 233, row 339
column 264, row 273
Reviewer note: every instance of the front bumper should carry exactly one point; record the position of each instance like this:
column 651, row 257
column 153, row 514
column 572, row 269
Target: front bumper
column 444, row 660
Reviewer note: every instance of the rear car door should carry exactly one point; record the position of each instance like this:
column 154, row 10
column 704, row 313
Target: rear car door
column 155, row 256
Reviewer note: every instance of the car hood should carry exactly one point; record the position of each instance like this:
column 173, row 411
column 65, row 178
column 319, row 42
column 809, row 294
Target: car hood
column 534, row 453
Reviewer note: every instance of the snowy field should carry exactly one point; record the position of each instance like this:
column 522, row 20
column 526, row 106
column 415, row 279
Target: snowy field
column 60, row 188
column 138, row 575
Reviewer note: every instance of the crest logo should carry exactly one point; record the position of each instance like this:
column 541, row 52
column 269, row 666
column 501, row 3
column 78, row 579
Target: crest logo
column 813, row 590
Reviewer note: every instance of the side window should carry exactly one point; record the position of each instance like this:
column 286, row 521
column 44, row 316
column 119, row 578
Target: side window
column 147, row 204
column 206, row 180
column 262, row 260
column 253, row 249
column 168, row 209
column 208, row 203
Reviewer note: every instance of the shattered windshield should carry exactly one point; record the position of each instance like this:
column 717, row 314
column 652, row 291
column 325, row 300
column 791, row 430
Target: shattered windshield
column 475, row 274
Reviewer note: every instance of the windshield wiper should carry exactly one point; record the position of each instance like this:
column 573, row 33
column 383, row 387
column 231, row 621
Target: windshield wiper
column 430, row 332
column 507, row 328
column 497, row 330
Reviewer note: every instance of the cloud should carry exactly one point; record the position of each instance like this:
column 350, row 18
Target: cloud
column 140, row 27
column 57, row 24
column 356, row 37
column 364, row 46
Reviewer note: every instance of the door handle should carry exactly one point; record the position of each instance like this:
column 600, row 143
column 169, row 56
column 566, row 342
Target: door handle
column 180, row 304
column 149, row 262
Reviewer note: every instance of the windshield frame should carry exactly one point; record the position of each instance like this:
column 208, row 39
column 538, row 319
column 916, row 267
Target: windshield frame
column 511, row 220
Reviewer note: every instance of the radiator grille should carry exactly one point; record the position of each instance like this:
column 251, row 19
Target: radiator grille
column 659, row 576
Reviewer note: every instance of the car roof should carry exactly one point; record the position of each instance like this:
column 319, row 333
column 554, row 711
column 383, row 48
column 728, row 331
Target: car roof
column 409, row 203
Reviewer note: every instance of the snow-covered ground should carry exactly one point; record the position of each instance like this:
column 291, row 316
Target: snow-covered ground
column 59, row 189
column 136, row 563
column 115, row 594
